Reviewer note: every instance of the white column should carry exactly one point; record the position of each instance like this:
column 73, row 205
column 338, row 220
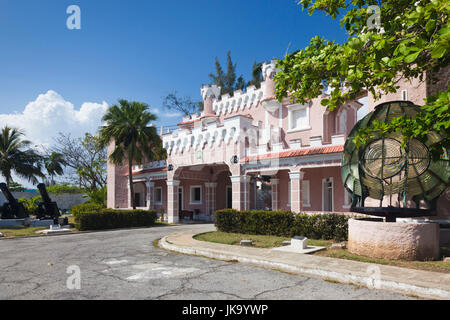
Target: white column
column 214, row 197
column 172, row 200
column 129, row 196
column 275, row 184
column 238, row 186
column 210, row 188
column 150, row 194
column 296, row 191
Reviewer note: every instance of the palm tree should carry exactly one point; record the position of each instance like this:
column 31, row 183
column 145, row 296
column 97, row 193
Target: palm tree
column 53, row 164
column 16, row 156
column 128, row 126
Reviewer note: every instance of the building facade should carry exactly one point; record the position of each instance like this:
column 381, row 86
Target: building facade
column 249, row 151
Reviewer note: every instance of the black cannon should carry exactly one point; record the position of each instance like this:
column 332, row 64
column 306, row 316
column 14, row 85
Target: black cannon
column 12, row 209
column 47, row 209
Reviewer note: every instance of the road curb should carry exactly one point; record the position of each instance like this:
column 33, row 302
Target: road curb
column 366, row 281
column 72, row 233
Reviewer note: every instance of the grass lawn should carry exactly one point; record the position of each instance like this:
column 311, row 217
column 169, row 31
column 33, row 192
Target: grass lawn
column 437, row 266
column 20, row 231
column 258, row 240
column 273, row 241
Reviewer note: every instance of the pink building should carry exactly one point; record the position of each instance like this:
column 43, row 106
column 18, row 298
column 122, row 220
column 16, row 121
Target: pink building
column 248, row 151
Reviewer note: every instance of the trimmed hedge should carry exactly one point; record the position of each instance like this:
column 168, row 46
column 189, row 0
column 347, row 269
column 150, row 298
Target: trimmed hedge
column 84, row 208
column 113, row 219
column 283, row 223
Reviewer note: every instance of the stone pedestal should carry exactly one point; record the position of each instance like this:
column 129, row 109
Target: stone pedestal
column 299, row 243
column 393, row 240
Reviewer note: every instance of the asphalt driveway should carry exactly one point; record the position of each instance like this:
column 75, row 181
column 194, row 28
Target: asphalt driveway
column 124, row 264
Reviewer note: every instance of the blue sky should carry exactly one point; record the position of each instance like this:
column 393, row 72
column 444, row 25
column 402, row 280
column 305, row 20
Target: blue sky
column 141, row 50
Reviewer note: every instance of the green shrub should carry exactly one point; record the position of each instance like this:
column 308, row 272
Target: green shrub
column 276, row 223
column 113, row 219
column 97, row 196
column 283, row 224
column 64, row 188
column 84, row 208
column 30, row 205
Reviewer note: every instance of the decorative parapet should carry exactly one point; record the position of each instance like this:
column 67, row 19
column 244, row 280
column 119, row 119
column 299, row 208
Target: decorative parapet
column 239, row 101
column 269, row 69
column 210, row 90
column 212, row 134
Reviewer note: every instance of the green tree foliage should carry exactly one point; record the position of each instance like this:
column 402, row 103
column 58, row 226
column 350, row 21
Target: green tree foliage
column 64, row 188
column 413, row 41
column 257, row 76
column 227, row 81
column 31, row 205
column 54, row 163
column 86, row 157
column 16, row 187
column 17, row 156
column 128, row 126
column 98, row 196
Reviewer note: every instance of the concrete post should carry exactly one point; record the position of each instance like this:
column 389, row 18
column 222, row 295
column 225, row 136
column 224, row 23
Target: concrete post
column 210, row 188
column 296, row 191
column 275, row 184
column 172, row 200
column 240, row 192
column 150, row 194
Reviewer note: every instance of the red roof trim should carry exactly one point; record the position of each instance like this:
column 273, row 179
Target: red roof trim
column 188, row 122
column 208, row 115
column 296, row 153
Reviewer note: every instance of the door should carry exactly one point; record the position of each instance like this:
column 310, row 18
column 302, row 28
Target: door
column 327, row 194
column 229, row 197
column 137, row 199
column 180, row 200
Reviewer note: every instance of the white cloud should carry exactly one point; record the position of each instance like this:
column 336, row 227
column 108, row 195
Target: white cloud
column 172, row 115
column 50, row 114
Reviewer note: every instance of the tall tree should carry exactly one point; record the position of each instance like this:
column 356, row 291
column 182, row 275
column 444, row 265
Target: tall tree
column 128, row 126
column 227, row 81
column 395, row 41
column 240, row 84
column 257, row 76
column 54, row 163
column 185, row 105
column 85, row 160
column 219, row 77
column 17, row 156
column 230, row 77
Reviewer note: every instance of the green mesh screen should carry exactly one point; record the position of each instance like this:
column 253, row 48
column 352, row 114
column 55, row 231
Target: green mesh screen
column 383, row 167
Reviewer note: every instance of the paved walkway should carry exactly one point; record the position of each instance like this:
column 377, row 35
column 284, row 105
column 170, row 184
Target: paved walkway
column 407, row 281
column 124, row 264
